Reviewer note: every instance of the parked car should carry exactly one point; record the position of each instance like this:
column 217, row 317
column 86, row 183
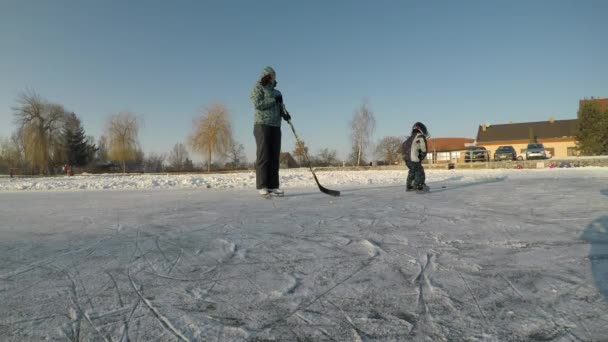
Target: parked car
column 476, row 154
column 505, row 153
column 536, row 151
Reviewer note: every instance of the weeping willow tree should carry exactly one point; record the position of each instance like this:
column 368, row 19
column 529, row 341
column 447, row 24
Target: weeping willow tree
column 39, row 124
column 212, row 133
column 122, row 133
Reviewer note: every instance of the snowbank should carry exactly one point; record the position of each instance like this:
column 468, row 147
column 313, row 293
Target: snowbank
column 298, row 178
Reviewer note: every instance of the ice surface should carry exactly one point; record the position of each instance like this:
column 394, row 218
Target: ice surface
column 505, row 255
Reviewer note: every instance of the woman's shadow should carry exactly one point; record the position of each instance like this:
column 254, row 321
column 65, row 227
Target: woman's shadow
column 596, row 233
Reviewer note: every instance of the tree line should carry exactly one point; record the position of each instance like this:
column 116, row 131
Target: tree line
column 47, row 136
column 386, row 150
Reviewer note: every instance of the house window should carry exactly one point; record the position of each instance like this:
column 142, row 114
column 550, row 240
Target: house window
column 551, row 150
column 447, row 156
column 443, row 156
column 572, row 151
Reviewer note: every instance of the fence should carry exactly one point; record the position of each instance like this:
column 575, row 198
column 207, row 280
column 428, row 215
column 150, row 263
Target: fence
column 600, row 161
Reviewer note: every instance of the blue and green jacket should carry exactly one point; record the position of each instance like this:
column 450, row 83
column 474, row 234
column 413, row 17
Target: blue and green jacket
column 267, row 110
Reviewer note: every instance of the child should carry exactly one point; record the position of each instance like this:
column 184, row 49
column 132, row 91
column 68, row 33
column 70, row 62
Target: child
column 414, row 152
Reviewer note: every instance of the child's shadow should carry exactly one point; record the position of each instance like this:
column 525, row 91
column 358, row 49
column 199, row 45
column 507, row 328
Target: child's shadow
column 596, row 233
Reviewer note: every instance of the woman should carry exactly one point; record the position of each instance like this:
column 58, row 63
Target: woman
column 269, row 110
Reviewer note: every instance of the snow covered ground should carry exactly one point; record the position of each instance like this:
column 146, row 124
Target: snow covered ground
column 292, row 178
column 496, row 255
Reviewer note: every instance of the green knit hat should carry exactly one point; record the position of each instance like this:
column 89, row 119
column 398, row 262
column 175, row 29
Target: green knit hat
column 268, row 71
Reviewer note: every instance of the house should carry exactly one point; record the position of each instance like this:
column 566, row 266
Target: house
column 445, row 150
column 287, row 161
column 602, row 102
column 558, row 136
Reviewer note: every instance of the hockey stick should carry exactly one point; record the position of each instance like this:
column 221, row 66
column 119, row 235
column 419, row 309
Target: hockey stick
column 323, row 189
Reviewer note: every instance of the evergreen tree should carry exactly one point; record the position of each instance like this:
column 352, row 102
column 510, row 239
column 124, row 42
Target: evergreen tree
column 592, row 135
column 79, row 149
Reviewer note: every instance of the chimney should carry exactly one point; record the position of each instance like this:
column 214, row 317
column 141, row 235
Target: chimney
column 552, row 120
column 484, row 126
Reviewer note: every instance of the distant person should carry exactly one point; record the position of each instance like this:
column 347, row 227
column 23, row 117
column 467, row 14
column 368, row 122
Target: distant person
column 414, row 152
column 269, row 110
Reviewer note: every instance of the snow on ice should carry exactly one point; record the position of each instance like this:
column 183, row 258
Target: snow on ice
column 488, row 255
column 292, row 178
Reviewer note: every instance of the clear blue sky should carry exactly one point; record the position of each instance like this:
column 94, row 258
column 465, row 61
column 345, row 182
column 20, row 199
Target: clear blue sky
column 450, row 64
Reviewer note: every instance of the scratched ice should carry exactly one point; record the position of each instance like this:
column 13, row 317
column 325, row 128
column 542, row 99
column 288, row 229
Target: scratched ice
column 511, row 255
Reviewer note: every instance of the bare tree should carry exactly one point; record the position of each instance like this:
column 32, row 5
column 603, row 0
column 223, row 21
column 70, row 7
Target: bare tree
column 11, row 152
column 363, row 125
column 122, row 133
column 354, row 158
column 11, row 155
column 102, row 149
column 300, row 151
column 235, row 154
column 90, row 141
column 327, row 157
column 17, row 143
column 39, row 125
column 388, row 149
column 212, row 133
column 188, row 165
column 154, row 162
column 5, row 152
column 5, row 155
column 178, row 157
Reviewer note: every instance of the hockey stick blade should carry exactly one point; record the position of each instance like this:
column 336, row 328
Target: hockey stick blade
column 334, row 193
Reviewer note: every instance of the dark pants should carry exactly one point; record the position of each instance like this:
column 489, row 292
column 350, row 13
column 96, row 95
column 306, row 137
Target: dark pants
column 416, row 176
column 268, row 141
